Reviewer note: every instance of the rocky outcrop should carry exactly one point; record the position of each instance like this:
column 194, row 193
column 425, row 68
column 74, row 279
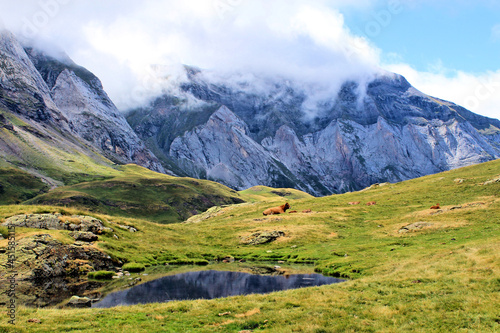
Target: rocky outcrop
column 42, row 257
column 77, row 223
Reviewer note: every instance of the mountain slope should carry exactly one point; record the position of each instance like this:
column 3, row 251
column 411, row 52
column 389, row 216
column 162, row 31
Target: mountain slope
column 443, row 273
column 56, row 120
column 283, row 136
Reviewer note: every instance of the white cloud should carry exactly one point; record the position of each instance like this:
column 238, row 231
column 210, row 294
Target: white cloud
column 120, row 40
column 308, row 42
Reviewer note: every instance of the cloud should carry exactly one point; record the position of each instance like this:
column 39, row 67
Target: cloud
column 120, row 40
column 306, row 42
column 479, row 93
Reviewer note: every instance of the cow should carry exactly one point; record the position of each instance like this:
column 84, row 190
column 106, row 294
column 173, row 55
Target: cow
column 276, row 210
column 436, row 206
column 371, row 203
column 354, row 203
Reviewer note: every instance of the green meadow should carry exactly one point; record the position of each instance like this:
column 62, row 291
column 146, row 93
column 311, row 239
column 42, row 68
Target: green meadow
column 408, row 268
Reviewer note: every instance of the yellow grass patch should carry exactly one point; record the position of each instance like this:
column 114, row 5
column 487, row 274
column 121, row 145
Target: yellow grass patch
column 436, row 225
column 70, row 219
column 383, row 311
column 248, row 313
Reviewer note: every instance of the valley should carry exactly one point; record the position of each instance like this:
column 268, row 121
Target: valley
column 439, row 275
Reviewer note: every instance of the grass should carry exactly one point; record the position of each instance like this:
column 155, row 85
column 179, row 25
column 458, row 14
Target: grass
column 133, row 267
column 444, row 277
column 139, row 192
column 49, row 154
column 17, row 186
column 264, row 193
column 101, row 275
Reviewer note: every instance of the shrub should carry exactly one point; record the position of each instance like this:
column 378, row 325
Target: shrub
column 101, row 275
column 133, row 267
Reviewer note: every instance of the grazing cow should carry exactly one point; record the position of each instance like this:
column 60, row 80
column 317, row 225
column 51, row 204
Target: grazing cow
column 277, row 210
column 435, row 206
column 354, row 203
column 292, row 211
column 371, row 203
column 307, row 211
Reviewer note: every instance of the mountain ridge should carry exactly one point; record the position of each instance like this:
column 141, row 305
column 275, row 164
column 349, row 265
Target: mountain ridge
column 389, row 131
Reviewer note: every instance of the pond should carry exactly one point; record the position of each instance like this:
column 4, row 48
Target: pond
column 208, row 285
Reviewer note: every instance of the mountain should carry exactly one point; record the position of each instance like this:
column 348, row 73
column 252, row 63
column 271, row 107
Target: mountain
column 242, row 135
column 57, row 122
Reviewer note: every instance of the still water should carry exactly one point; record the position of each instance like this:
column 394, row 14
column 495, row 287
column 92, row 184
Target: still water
column 209, row 284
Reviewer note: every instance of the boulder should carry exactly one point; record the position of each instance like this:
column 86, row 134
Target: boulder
column 263, row 237
column 79, row 302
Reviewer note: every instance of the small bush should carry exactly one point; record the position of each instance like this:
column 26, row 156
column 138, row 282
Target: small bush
column 101, row 275
column 133, row 267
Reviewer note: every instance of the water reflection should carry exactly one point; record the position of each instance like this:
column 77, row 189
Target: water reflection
column 209, row 284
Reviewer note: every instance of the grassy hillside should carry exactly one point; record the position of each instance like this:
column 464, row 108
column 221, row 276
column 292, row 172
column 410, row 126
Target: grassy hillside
column 46, row 152
column 139, row 192
column 444, row 276
column 17, row 186
column 264, row 193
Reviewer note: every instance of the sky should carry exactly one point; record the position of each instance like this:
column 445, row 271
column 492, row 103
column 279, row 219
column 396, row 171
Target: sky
column 447, row 49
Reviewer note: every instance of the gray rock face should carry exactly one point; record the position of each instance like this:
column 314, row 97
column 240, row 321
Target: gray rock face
column 79, row 95
column 389, row 133
column 223, row 150
column 22, row 89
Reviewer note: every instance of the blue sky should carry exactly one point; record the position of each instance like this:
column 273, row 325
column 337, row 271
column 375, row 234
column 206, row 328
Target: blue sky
column 447, row 49
column 456, row 34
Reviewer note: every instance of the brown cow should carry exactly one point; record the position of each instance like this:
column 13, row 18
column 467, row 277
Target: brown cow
column 435, row 207
column 354, row 203
column 276, row 210
column 371, row 203
column 292, row 211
